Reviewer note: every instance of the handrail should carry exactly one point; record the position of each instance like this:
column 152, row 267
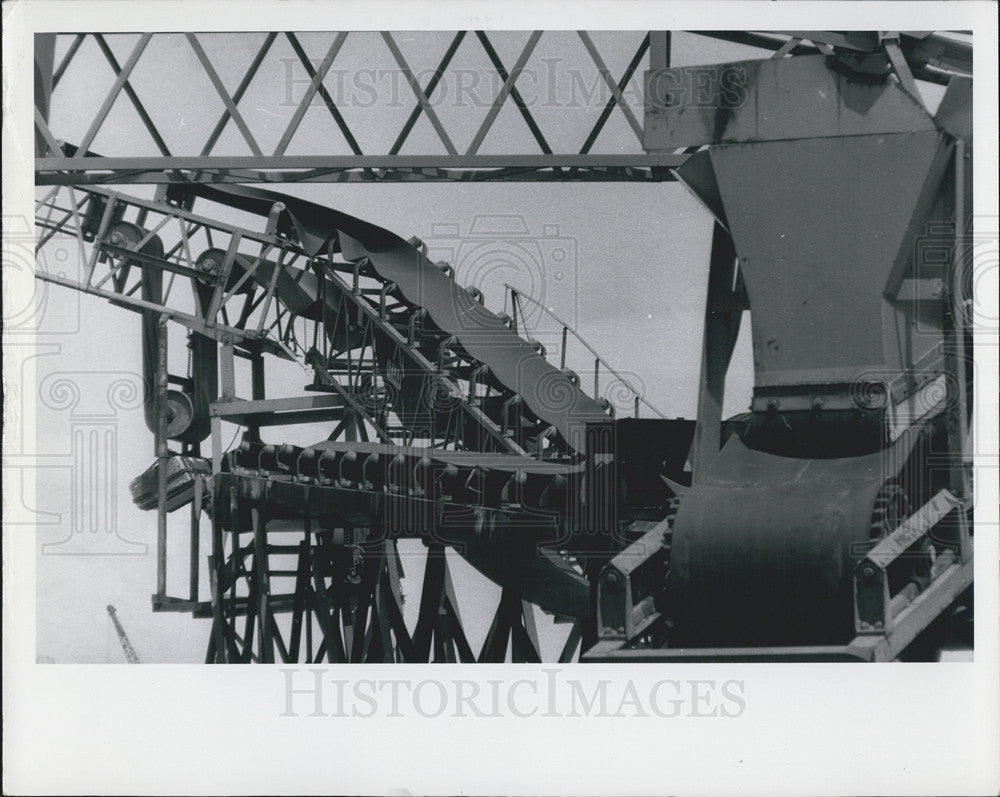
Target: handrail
column 597, row 357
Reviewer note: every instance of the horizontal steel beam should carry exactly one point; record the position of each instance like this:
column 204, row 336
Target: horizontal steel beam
column 227, row 176
column 613, row 652
column 377, row 168
column 88, row 164
column 281, row 411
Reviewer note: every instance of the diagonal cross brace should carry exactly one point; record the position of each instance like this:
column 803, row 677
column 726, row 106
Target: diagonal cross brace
column 331, row 106
column 419, row 93
column 613, row 101
column 226, row 99
column 515, row 95
column 130, row 93
column 67, row 59
column 314, row 85
column 616, row 92
column 501, row 97
column 428, row 92
column 112, row 95
column 240, row 91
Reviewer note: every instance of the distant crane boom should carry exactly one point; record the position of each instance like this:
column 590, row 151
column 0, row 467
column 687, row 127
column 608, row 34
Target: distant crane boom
column 127, row 649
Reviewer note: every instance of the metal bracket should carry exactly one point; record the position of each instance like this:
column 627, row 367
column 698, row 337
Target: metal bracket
column 874, row 607
column 629, row 586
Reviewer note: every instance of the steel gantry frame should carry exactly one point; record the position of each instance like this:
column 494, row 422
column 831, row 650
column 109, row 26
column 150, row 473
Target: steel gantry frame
column 360, row 620
column 930, row 57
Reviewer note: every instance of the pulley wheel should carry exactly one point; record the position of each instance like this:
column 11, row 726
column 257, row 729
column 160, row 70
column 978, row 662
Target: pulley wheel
column 180, row 413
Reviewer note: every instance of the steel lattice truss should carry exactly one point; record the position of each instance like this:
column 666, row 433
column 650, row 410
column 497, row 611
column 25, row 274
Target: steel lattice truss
column 450, row 161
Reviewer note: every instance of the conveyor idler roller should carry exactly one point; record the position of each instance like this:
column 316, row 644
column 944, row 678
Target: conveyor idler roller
column 470, row 478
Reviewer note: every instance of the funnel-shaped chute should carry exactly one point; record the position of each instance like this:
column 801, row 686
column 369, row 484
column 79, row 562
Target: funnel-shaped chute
column 827, row 172
column 829, row 182
column 820, row 225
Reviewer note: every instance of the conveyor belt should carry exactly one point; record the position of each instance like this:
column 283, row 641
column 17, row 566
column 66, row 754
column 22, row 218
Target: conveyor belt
column 764, row 548
column 546, row 391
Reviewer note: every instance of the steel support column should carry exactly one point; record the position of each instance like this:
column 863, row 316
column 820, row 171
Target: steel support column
column 722, row 326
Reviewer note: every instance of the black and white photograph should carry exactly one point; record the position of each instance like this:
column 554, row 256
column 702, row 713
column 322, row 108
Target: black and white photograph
column 632, row 366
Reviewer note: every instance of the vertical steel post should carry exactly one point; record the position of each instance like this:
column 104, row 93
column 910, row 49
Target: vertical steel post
column 161, row 460
column 958, row 430
column 216, row 445
column 308, row 604
column 45, row 67
column 196, row 501
column 601, row 483
column 227, row 392
column 216, row 572
column 257, row 388
column 659, row 49
column 227, row 371
column 232, row 571
column 722, row 325
column 263, row 581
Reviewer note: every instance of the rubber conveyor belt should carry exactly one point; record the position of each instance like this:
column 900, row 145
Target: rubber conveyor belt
column 545, row 390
